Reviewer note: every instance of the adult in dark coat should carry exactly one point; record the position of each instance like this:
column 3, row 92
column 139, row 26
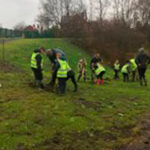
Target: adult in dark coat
column 52, row 55
column 142, row 60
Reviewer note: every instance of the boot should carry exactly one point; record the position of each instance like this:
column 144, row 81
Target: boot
column 145, row 82
column 75, row 88
column 141, row 82
column 98, row 82
column 84, row 79
column 40, row 84
column 78, row 78
column 36, row 83
column 101, row 81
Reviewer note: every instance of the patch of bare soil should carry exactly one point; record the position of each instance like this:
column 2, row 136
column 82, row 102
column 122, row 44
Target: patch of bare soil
column 21, row 146
column 88, row 104
column 86, row 140
column 7, row 67
column 142, row 141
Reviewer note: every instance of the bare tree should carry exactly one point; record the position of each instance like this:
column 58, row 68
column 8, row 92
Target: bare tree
column 102, row 8
column 125, row 10
column 53, row 11
column 144, row 11
column 91, row 9
column 20, row 26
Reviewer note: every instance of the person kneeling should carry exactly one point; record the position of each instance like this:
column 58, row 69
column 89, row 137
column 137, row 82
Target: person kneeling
column 100, row 71
column 126, row 71
column 62, row 71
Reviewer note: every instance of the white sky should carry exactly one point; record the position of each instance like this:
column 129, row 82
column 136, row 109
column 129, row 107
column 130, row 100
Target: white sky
column 15, row 11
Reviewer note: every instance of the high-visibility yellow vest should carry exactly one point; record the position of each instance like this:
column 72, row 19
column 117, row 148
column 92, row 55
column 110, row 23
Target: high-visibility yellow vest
column 116, row 66
column 125, row 68
column 99, row 69
column 133, row 64
column 34, row 61
column 64, row 68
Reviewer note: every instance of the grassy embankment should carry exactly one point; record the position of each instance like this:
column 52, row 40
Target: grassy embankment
column 96, row 117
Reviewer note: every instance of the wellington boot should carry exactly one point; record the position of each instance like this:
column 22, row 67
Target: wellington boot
column 98, row 82
column 101, row 82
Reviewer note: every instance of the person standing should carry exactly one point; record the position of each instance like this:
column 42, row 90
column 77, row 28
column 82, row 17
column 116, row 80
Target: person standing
column 82, row 64
column 96, row 59
column 142, row 60
column 62, row 70
column 116, row 69
column 37, row 66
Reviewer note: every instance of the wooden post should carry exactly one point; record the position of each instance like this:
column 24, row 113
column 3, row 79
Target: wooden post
column 3, row 52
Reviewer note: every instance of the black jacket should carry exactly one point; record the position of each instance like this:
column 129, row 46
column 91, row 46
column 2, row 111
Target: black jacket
column 142, row 59
column 94, row 62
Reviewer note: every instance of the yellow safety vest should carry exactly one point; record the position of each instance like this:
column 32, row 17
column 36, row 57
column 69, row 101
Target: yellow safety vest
column 99, row 69
column 125, row 68
column 62, row 71
column 116, row 66
column 34, row 61
column 133, row 65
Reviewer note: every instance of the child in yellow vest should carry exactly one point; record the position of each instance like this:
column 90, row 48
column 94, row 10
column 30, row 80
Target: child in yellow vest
column 126, row 71
column 99, row 71
column 116, row 69
column 62, row 71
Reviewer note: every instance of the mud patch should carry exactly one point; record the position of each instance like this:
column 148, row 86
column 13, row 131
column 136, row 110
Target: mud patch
column 7, row 67
column 85, row 140
column 8, row 99
column 21, row 146
column 142, row 141
column 88, row 104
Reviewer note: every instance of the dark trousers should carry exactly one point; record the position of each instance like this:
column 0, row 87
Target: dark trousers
column 71, row 75
column 61, row 85
column 38, row 77
column 100, row 76
column 142, row 71
column 37, row 74
column 116, row 76
column 53, row 79
column 133, row 75
column 125, row 77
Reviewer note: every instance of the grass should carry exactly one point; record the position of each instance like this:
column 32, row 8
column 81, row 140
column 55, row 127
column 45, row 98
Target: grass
column 96, row 117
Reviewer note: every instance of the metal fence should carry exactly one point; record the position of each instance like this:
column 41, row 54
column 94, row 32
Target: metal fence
column 2, row 50
column 7, row 33
column 3, row 42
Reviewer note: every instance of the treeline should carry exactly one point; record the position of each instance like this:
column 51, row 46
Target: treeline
column 115, row 28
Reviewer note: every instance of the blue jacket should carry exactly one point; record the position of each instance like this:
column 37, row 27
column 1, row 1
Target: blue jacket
column 53, row 58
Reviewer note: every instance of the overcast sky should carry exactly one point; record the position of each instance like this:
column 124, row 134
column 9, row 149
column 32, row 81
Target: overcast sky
column 15, row 11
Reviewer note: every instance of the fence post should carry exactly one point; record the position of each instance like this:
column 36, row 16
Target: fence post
column 3, row 52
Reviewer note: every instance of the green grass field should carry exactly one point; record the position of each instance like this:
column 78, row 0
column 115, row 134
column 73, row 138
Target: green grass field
column 95, row 118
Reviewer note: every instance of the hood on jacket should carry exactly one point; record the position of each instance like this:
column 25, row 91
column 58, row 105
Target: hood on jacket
column 37, row 50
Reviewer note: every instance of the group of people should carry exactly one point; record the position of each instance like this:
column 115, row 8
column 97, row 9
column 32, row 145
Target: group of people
column 97, row 69
column 136, row 67
column 62, row 71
